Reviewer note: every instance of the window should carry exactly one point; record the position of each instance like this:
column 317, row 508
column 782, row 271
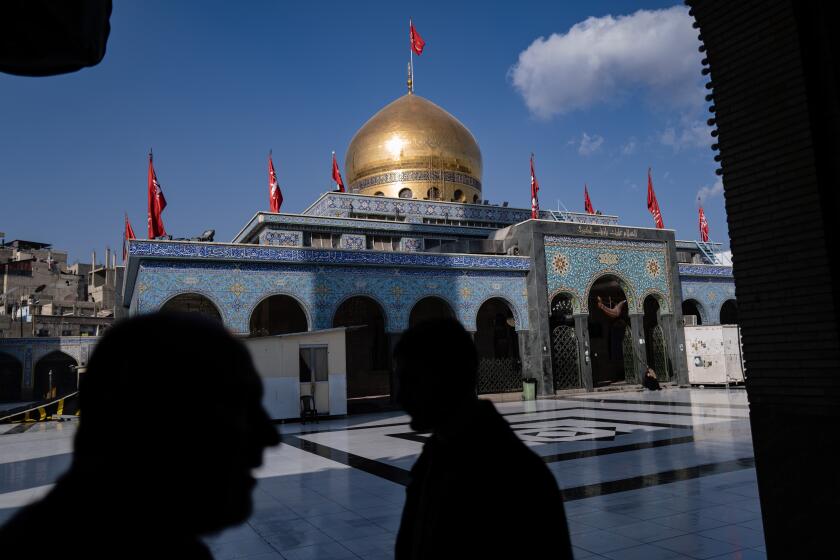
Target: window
column 433, row 193
column 405, row 193
column 458, row 195
column 324, row 240
column 313, row 364
column 383, row 243
column 87, row 330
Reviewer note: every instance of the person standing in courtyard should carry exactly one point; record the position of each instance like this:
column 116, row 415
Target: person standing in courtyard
column 476, row 491
column 171, row 428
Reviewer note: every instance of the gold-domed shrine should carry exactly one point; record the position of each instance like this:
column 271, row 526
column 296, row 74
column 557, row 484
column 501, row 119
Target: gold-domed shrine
column 412, row 148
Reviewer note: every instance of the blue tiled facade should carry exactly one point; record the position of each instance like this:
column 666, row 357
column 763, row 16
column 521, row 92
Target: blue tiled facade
column 281, row 238
column 237, row 288
column 574, row 264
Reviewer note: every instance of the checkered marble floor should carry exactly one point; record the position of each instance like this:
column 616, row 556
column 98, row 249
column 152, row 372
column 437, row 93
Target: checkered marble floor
column 666, row 475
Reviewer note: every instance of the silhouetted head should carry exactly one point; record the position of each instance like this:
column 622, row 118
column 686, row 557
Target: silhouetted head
column 436, row 365
column 171, row 418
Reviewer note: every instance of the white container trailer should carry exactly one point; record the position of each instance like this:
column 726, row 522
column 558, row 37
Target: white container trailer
column 714, row 354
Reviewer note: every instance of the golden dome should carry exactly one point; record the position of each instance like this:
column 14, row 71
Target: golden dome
column 413, row 148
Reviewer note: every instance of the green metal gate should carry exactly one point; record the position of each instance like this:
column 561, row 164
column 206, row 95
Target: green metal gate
column 660, row 354
column 564, row 358
column 631, row 363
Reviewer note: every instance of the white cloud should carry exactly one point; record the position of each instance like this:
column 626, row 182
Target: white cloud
column 589, row 144
column 629, row 148
column 710, row 191
column 601, row 59
column 689, row 133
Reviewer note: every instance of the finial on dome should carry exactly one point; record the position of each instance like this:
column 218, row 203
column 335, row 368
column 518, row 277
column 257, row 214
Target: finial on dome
column 410, row 81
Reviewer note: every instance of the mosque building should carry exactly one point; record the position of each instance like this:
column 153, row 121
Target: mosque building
column 575, row 300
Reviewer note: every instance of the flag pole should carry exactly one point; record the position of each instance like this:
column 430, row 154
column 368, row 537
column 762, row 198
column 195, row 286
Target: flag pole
column 410, row 59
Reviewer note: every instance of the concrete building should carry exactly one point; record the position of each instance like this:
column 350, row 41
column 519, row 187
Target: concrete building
column 51, row 315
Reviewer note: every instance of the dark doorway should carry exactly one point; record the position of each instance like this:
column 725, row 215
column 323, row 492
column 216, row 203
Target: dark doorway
column 608, row 324
column 564, row 344
column 278, row 314
column 691, row 307
column 55, row 375
column 729, row 312
column 11, row 378
column 430, row 308
column 192, row 303
column 497, row 344
column 368, row 361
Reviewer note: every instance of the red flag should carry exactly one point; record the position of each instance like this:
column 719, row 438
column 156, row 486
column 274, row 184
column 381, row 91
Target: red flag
column 417, row 42
column 535, row 188
column 157, row 203
column 128, row 234
column 704, row 226
column 275, row 197
column 653, row 205
column 336, row 175
column 587, row 204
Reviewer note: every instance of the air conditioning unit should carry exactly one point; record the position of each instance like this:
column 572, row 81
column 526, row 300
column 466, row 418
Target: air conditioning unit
column 690, row 320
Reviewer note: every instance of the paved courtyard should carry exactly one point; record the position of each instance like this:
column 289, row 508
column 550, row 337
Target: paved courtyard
column 665, row 475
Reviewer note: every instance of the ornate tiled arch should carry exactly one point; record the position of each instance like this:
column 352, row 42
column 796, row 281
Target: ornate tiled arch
column 572, row 293
column 413, row 304
column 516, row 314
column 662, row 299
column 367, row 294
column 704, row 314
column 304, row 307
column 201, row 293
column 626, row 286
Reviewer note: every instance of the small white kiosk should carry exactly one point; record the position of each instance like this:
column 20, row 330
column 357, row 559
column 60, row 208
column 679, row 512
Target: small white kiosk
column 306, row 363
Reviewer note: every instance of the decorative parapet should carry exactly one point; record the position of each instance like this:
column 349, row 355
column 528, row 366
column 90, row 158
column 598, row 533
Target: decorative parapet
column 353, row 241
column 280, row 238
column 264, row 253
column 711, row 270
column 411, row 244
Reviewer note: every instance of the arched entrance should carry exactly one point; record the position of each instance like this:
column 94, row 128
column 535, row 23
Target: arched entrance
column 609, row 325
column 497, row 344
column 368, row 360
column 55, row 375
column 192, row 303
column 565, row 363
column 430, row 308
column 11, row 378
column 278, row 314
column 655, row 349
column 729, row 312
column 692, row 307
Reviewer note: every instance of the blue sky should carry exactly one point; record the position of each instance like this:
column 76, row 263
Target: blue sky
column 213, row 86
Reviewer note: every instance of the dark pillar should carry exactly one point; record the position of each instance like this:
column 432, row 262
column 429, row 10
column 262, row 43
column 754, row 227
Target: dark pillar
column 393, row 339
column 637, row 330
column 584, row 356
column 775, row 89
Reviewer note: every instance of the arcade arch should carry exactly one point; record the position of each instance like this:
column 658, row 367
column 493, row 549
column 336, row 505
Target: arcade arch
column 431, row 307
column 565, row 355
column 610, row 335
column 11, row 378
column 729, row 312
column 277, row 314
column 693, row 307
column 55, row 375
column 192, row 302
column 656, row 353
column 368, row 359
column 497, row 345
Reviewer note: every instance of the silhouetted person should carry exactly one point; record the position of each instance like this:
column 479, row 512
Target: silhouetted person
column 476, row 490
column 171, row 427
